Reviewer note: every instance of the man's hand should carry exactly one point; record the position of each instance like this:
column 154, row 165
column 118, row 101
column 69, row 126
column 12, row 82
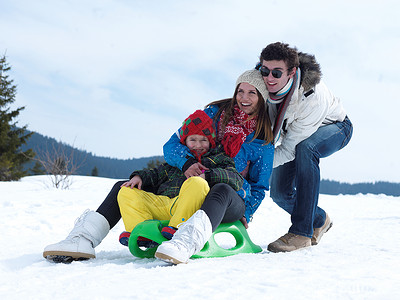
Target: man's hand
column 136, row 180
column 195, row 170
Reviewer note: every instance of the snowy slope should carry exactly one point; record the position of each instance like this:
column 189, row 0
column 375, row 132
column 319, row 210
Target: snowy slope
column 359, row 258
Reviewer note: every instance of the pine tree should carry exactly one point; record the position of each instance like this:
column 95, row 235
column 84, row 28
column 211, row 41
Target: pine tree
column 12, row 137
column 95, row 171
column 38, row 169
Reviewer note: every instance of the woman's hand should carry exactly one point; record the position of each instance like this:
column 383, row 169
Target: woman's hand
column 195, row 170
column 135, row 180
column 244, row 222
column 246, row 170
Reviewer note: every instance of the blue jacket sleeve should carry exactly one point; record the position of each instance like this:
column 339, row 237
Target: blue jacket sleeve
column 241, row 159
column 258, row 179
column 175, row 153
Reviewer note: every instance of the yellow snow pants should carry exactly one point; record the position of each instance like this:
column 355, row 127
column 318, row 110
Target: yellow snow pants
column 137, row 206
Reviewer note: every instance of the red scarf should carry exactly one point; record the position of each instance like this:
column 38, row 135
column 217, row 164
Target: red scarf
column 238, row 128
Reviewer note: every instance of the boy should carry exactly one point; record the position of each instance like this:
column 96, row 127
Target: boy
column 173, row 196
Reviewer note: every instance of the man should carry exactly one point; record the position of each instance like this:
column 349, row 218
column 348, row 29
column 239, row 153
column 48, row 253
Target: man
column 309, row 123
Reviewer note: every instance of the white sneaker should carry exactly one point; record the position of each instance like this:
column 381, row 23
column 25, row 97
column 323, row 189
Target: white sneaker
column 189, row 239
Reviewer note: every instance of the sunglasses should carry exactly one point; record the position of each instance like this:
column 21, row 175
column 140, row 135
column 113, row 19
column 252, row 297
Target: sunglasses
column 275, row 73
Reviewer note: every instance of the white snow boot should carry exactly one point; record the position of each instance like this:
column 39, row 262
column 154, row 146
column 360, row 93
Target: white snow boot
column 89, row 230
column 189, row 239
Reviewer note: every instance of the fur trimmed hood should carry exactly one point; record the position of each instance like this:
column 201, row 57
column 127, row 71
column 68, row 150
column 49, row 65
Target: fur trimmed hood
column 310, row 71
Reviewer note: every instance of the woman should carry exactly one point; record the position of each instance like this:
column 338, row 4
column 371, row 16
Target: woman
column 244, row 129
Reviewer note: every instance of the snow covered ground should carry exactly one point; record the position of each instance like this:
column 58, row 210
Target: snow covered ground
column 359, row 258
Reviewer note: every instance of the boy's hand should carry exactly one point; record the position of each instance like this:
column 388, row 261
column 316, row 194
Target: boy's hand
column 136, row 180
column 195, row 170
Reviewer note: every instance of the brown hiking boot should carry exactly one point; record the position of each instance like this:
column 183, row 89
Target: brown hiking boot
column 289, row 242
column 319, row 232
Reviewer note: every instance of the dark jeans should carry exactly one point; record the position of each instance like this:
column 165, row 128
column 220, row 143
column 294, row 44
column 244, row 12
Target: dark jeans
column 295, row 185
column 110, row 208
column 223, row 205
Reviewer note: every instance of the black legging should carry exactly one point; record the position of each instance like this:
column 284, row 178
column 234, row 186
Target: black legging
column 223, row 205
column 110, row 208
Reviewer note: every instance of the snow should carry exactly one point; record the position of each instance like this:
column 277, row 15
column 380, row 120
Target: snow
column 359, row 258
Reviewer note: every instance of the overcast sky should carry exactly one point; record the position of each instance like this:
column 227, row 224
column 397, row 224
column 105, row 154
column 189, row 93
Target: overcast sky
column 117, row 78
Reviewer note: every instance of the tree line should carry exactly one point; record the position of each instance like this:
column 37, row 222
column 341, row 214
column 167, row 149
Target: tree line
column 92, row 165
column 331, row 187
column 86, row 162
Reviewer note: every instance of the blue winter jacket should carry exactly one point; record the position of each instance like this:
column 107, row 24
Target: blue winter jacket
column 260, row 168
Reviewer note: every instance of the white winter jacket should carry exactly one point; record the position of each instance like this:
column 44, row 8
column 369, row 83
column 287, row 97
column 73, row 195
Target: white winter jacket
column 309, row 109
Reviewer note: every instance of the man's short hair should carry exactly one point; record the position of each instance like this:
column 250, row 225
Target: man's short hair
column 281, row 51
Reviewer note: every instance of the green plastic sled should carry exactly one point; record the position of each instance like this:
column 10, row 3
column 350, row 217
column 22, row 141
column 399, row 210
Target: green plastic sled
column 151, row 229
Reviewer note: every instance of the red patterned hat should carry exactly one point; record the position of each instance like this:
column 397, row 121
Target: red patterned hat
column 198, row 123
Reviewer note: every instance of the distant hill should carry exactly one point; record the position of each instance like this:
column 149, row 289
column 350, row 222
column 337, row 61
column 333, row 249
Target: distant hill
column 122, row 168
column 106, row 166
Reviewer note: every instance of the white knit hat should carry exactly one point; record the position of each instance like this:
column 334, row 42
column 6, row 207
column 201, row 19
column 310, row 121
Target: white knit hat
column 254, row 78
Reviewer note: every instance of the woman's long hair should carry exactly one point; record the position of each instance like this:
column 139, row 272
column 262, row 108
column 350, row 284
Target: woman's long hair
column 263, row 126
